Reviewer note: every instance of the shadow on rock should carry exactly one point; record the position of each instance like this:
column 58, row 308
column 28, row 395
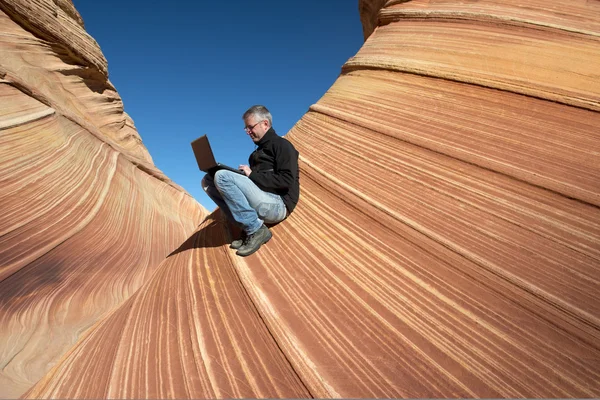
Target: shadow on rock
column 213, row 233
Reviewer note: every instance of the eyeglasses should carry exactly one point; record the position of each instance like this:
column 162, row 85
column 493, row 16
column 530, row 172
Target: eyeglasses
column 249, row 128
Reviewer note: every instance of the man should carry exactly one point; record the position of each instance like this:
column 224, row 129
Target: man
column 267, row 192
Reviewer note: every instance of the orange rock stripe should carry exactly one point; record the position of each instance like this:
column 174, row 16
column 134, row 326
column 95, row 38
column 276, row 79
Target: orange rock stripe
column 202, row 339
column 504, row 239
column 571, row 15
column 490, row 55
column 542, row 153
column 315, row 226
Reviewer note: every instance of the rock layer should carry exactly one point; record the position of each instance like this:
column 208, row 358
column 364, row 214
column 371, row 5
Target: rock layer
column 49, row 56
column 446, row 244
column 85, row 218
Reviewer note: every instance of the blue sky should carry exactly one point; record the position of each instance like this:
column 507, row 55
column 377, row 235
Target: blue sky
column 188, row 68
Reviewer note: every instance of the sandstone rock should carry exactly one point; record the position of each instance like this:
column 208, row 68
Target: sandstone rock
column 85, row 218
column 463, row 262
column 369, row 15
column 51, row 58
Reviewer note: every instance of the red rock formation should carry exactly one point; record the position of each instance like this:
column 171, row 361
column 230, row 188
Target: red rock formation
column 462, row 262
column 85, row 218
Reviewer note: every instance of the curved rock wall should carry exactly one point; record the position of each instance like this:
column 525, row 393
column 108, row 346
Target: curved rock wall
column 51, row 58
column 446, row 244
column 85, row 218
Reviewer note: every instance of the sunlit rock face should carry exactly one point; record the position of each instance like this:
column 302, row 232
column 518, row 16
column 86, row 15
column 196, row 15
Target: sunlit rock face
column 446, row 244
column 85, row 217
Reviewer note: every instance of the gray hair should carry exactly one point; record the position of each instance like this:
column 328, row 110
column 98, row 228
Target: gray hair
column 259, row 113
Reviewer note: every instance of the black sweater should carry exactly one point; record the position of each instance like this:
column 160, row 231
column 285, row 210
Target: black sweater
column 274, row 166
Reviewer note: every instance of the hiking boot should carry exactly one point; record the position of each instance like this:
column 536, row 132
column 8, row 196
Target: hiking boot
column 254, row 241
column 236, row 244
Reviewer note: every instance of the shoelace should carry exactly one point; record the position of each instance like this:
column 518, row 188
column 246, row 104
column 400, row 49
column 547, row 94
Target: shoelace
column 247, row 238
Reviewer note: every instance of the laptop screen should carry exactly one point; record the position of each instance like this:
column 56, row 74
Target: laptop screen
column 203, row 153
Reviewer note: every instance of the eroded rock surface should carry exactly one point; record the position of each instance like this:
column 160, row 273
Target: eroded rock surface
column 85, row 217
column 446, row 244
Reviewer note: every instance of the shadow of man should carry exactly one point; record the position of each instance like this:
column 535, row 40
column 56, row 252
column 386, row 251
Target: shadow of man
column 215, row 231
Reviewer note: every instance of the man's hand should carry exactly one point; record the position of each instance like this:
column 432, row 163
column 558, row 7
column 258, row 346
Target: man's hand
column 245, row 169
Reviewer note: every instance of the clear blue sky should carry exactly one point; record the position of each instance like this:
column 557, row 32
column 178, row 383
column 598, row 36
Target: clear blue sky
column 187, row 68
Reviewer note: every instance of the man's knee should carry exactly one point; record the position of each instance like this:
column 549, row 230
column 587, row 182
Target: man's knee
column 221, row 177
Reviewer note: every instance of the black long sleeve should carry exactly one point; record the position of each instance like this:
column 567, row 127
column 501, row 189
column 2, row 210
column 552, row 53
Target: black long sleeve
column 275, row 169
column 284, row 172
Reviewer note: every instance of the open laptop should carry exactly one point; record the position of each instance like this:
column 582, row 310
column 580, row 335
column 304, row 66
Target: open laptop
column 206, row 159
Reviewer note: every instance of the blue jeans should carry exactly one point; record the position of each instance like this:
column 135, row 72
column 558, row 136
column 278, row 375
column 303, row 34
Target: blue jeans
column 242, row 201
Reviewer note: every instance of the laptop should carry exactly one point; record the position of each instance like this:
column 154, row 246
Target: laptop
column 206, row 159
